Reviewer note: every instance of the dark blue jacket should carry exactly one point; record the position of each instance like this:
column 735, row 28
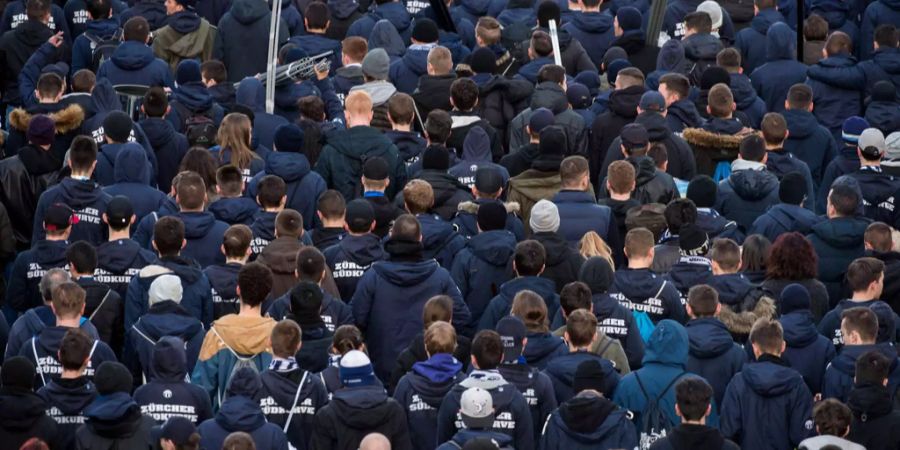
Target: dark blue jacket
column 357, row 411
column 88, row 201
column 195, row 98
column 166, row 393
column 767, row 405
column 43, row 350
column 314, row 44
column 14, row 15
column 234, row 210
column 162, row 319
column 838, row 86
column 689, row 271
column 152, row 10
column 512, row 416
column 467, row 224
column 143, row 233
column 204, row 236
column 537, row 389
column 393, row 12
column 526, row 16
column 713, row 354
column 837, row 242
column 389, row 299
column 876, row 13
column 138, row 170
column 781, row 163
column 883, row 115
column 131, row 177
column 617, row 322
column 279, row 396
column 879, row 193
column 807, row 351
column 774, row 77
column 66, row 401
column 542, row 348
column 134, row 63
column 196, row 298
column 580, row 213
column 409, row 144
column 349, row 258
column 810, row 142
column 340, row 163
column 529, row 70
column 683, row 114
column 287, row 96
column 240, row 413
column 440, row 239
column 476, row 153
column 594, row 30
column 500, row 305
column 303, row 185
column 421, row 392
column 841, row 16
column 78, row 19
column 587, row 422
column 465, row 435
column 746, row 99
column 114, row 421
column 830, row 325
column 733, row 289
column 31, row 323
column 82, row 49
column 252, row 94
column 642, row 290
column 561, row 371
column 751, row 40
column 472, row 10
column 223, row 156
column 884, row 66
column 223, row 281
column 482, row 267
column 334, row 311
column 715, row 225
column 22, row 292
column 747, row 194
column 839, row 376
column 846, row 161
column 784, row 218
column 242, row 31
column 405, row 73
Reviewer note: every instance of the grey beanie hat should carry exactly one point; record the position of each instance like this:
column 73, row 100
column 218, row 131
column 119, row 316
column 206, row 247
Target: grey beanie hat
column 544, row 217
column 376, row 64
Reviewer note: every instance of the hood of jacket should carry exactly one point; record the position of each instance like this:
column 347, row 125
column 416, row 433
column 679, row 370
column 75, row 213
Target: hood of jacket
column 248, row 11
column 381, row 91
column 801, row 124
column 113, row 416
column 838, row 71
column 132, row 56
column 686, row 112
column 834, row 12
column 118, row 256
column 709, row 338
column 184, row 22
column 669, row 344
column 169, row 361
column 194, row 96
column 70, row 396
column 637, row 283
column 845, row 361
column 158, row 130
column 781, row 43
column 744, row 94
column 79, row 194
column 290, row 167
column 551, row 96
column 362, row 408
column 384, row 35
column 363, row 250
column 477, row 8
column 764, row 19
column 465, row 435
column 31, row 33
column 732, row 288
column 359, row 141
column 593, row 22
column 799, row 328
column 477, row 146
column 168, row 318
column 888, row 59
column 186, row 269
column 645, row 169
column 584, row 418
column 395, row 13
column 239, row 413
column 416, row 59
column 671, row 57
column 870, row 400
column 406, row 273
column 342, row 9
column 544, row 287
column 657, row 128
column 702, row 47
column 842, row 232
column 494, row 247
column 234, row 210
column 50, row 253
column 624, row 102
column 251, row 93
column 433, row 378
column 197, row 224
column 20, row 409
column 753, row 184
column 104, row 97
column 770, row 379
column 543, row 345
column 556, row 247
column 246, row 335
column 131, row 164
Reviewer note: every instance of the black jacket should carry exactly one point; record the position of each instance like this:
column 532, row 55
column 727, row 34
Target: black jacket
column 500, row 100
column 114, row 421
column 606, row 127
column 651, row 184
column 876, row 424
column 686, row 437
column 563, row 262
column 22, row 417
column 681, row 158
column 640, row 54
column 891, row 260
column 416, row 353
column 66, row 400
column 433, row 93
column 23, row 178
column 16, row 46
column 355, row 412
column 105, row 309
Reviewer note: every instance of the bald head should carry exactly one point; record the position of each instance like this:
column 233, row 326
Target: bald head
column 375, row 441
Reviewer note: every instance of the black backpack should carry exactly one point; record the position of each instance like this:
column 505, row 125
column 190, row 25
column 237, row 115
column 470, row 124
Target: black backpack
column 655, row 424
column 102, row 48
column 198, row 127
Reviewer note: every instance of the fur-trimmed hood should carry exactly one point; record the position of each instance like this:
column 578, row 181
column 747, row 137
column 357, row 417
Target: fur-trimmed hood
column 698, row 137
column 67, row 119
column 472, row 207
column 741, row 322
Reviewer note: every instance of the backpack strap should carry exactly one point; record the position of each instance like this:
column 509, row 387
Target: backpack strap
column 105, row 297
column 296, row 398
column 660, row 291
column 141, row 334
column 236, row 355
column 95, row 40
column 37, row 361
column 641, row 386
column 93, row 347
column 669, row 386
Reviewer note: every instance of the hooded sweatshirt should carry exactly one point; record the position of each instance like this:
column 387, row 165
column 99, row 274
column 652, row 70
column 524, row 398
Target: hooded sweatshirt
column 875, row 422
column 784, row 218
column 588, row 421
column 242, row 412
column 747, row 193
column 421, row 392
column 114, row 421
column 838, row 242
column 132, row 177
column 23, row 416
column 43, row 349
column 642, row 290
column 838, row 380
column 341, row 160
column 807, row 351
column 252, row 94
column 476, row 154
column 23, row 291
column 303, row 185
column 561, row 371
column 162, row 320
column 196, row 299
column 838, row 86
column 750, row 41
column 482, row 267
column 66, row 400
column 780, row 70
column 394, row 12
column 349, row 259
column 282, row 393
column 134, row 63
column 168, row 394
column 500, row 304
column 355, row 412
column 88, row 202
column 713, row 354
column 595, row 28
column 242, row 29
column 806, row 140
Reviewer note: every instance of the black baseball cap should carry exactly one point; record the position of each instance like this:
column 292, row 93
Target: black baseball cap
column 488, row 180
column 634, row 135
column 119, row 212
column 359, row 214
column 59, row 217
column 376, row 169
column 176, row 429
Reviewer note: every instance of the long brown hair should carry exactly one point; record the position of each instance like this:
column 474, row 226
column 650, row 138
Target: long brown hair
column 234, row 135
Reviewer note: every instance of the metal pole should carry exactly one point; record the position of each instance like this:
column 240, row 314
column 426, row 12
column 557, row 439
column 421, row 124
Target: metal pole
column 274, row 29
column 554, row 38
column 799, row 31
column 654, row 24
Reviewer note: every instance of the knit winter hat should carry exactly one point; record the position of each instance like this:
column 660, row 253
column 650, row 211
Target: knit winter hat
column 702, row 190
column 539, row 119
column 553, row 141
column 288, row 138
column 884, row 91
column 852, row 128
column 117, row 126
column 714, row 75
column 597, row 274
column 612, row 54
column 41, row 130
column 590, row 374
column 17, row 372
column 714, row 10
column 579, row 96
column 892, row 142
column 435, row 158
column 612, row 71
column 306, row 304
column 356, row 369
column 590, row 80
column 544, row 217
column 491, row 216
column 629, row 18
column 792, row 188
column 188, row 71
column 692, row 240
column 488, row 180
column 794, row 297
column 425, row 31
column 376, row 64
column 111, row 377
column 483, row 60
column 376, row 169
column 165, row 287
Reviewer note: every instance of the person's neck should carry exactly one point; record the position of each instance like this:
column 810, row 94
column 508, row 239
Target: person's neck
column 191, row 210
column 573, row 349
column 78, row 275
column 571, row 188
column 353, row 122
column 172, row 255
column 358, row 234
column 274, row 209
column 636, row 264
column 534, row 140
column 332, row 223
column 116, row 235
column 866, row 163
column 862, row 297
column 401, row 127
column 68, row 322
column 588, row 9
column 240, row 261
column 774, row 148
column 55, row 238
column 250, row 311
column 619, row 197
column 79, row 175
column 70, row 374
column 315, row 30
column 701, row 421
column 371, row 189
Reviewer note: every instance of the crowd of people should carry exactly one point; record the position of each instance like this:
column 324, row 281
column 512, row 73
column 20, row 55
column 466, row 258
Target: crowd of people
column 445, row 235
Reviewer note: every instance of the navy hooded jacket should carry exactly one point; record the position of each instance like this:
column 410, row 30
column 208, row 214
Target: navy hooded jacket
column 242, row 33
column 88, row 201
column 781, row 163
column 713, row 354
column 673, row 21
column 784, row 218
column 884, row 115
column 879, row 192
column 751, row 40
column 512, row 416
column 542, row 348
column 114, row 421
column 169, row 146
column 279, row 396
column 152, row 10
column 586, row 422
column 747, row 100
column 168, row 394
column 642, row 290
column 876, row 13
column 252, row 94
column 830, row 325
column 234, row 210
column 838, row 85
column 223, row 280
column 482, row 267
column 689, row 271
column 195, row 99
column 476, row 153
column 355, row 412
column 163, row 319
column 131, row 177
column 594, row 30
column 22, row 292
column 579, row 213
column 440, row 239
column 196, row 298
column 837, row 242
column 561, row 371
column 466, row 220
column 134, row 63
column 66, row 401
column 137, row 169
column 32, row 322
column 884, row 66
column 82, row 49
column 240, row 412
column 119, row 261
column 204, row 236
column 838, row 380
column 500, row 305
column 389, row 299
column 767, row 405
column 14, row 15
column 810, row 142
column 334, row 311
column 394, row 12
column 807, row 351
column 421, row 392
column 43, row 350
column 340, row 163
column 349, row 259
column 774, row 77
column 747, row 194
column 846, row 161
column 537, row 389
column 303, row 185
column 405, row 73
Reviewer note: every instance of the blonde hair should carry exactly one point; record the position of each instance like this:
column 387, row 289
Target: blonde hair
column 358, row 103
column 591, row 244
column 234, row 135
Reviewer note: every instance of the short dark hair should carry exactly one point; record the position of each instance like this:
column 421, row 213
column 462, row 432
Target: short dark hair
column 879, row 237
column 155, row 102
column 487, row 349
column 74, row 349
column 800, row 96
column 861, row 320
column 289, row 223
column 774, row 128
column 464, row 93
column 680, row 212
column 98, row 9
column 753, row 148
column 317, row 15
column 699, row 21
column 676, row 83
column 270, row 190
column 168, row 235
column 136, row 29
column 406, row 227
column 82, row 256
column 575, row 295
column 658, row 153
column 729, row 58
column 312, row 108
column 49, row 85
column 815, row 28
column 551, row 72
column 862, row 272
column 844, row 198
column 190, row 190
column 692, row 395
column 832, row 417
column 37, row 9
column 214, row 70
column 331, row 204
column 703, row 300
column 230, row 180
column 236, row 240
column 401, row 108
column 255, row 282
column 310, row 264
column 726, row 253
column 529, row 258
column 83, row 81
column 438, row 126
column 886, row 36
column 572, row 169
column 720, row 100
column 872, row 367
column 768, row 335
column 541, row 43
column 581, row 326
column 838, row 43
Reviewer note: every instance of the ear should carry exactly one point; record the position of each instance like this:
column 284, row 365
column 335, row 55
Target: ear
column 183, row 243
column 105, row 219
column 222, row 249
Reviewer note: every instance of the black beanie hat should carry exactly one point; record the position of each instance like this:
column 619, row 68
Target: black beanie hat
column 112, row 377
column 425, row 31
column 693, row 241
column 702, row 190
column 597, row 274
column 714, row 75
column 553, row 141
column 17, row 372
column 435, row 158
column 117, row 125
column 483, row 61
column 590, row 375
column 491, row 216
column 306, row 304
column 792, row 188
